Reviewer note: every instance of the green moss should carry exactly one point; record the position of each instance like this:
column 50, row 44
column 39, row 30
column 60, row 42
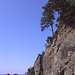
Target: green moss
column 49, row 44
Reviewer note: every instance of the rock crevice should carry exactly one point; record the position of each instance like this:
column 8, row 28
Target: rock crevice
column 59, row 58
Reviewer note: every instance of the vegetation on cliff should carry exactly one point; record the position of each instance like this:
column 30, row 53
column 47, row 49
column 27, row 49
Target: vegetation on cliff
column 31, row 71
column 66, row 15
column 72, row 2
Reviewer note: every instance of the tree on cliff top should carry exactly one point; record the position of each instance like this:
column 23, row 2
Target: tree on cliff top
column 65, row 9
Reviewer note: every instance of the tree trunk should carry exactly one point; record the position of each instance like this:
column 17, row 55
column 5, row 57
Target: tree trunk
column 52, row 29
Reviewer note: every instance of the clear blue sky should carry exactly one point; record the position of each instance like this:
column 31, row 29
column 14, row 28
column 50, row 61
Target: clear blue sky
column 21, row 38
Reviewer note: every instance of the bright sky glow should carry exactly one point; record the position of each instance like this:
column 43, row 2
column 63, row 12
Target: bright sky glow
column 21, row 38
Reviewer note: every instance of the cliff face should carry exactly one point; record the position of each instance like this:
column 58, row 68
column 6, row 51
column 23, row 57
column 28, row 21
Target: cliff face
column 59, row 58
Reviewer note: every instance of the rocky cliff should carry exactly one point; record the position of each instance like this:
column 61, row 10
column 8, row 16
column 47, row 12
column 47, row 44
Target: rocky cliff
column 59, row 58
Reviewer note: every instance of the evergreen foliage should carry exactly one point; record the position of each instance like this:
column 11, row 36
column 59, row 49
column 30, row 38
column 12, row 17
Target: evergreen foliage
column 49, row 39
column 31, row 71
column 72, row 2
column 65, row 10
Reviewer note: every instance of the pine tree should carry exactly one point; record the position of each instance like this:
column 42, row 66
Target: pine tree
column 65, row 10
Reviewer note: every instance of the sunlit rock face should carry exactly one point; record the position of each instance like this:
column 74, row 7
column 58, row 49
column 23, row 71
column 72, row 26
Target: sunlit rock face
column 59, row 58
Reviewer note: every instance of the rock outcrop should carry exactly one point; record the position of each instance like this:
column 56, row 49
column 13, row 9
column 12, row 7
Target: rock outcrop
column 59, row 58
column 39, row 64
